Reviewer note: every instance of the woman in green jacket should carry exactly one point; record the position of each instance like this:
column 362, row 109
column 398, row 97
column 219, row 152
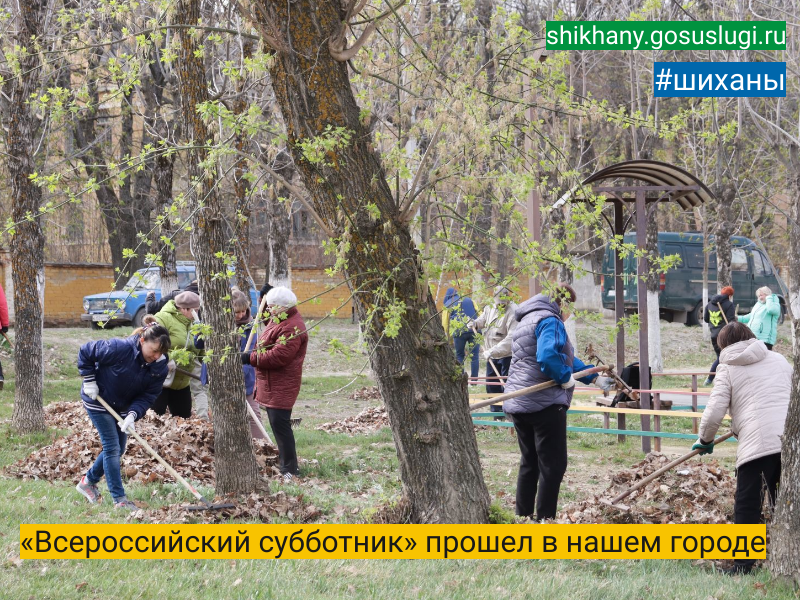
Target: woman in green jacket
column 177, row 317
column 764, row 316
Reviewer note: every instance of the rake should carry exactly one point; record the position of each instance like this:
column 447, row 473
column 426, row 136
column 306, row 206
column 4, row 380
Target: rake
column 206, row 504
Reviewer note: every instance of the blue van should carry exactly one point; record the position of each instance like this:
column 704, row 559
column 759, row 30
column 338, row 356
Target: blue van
column 104, row 308
column 681, row 288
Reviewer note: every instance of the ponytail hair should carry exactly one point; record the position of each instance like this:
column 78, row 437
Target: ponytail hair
column 152, row 331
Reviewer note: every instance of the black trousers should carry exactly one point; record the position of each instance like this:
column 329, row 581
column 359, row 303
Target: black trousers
column 502, row 365
column 769, row 346
column 754, row 480
column 280, row 421
column 179, row 402
column 715, row 364
column 542, row 438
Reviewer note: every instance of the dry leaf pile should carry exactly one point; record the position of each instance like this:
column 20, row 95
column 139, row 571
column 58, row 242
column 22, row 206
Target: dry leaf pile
column 186, row 444
column 366, row 393
column 368, row 420
column 697, row 491
column 255, row 507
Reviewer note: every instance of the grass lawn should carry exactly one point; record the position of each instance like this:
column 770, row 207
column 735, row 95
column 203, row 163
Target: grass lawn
column 347, row 478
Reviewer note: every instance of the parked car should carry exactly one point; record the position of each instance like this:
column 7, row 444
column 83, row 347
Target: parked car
column 681, row 288
column 126, row 306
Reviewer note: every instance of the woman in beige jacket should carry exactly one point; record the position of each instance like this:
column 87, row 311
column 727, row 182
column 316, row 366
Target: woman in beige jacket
column 497, row 324
column 753, row 385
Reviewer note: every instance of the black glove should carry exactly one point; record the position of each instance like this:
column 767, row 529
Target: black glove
column 3, row 329
column 245, row 358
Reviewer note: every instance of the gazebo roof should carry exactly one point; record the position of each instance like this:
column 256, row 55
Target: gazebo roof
column 681, row 186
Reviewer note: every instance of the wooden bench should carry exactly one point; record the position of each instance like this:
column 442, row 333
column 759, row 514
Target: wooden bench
column 658, row 404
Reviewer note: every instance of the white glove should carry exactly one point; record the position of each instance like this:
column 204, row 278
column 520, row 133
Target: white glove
column 127, row 425
column 170, row 373
column 569, row 384
column 487, row 354
column 605, row 383
column 90, row 389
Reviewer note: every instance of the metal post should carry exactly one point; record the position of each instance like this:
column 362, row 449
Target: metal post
column 695, row 427
column 641, row 287
column 657, row 421
column 619, row 301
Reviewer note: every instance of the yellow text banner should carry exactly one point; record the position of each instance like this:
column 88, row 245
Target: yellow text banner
column 142, row 541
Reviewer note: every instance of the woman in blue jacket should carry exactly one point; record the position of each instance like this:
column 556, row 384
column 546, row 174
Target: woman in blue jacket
column 128, row 374
column 462, row 311
column 542, row 352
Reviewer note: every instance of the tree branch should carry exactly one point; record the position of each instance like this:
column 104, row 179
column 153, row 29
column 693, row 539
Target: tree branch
column 336, row 42
column 409, row 205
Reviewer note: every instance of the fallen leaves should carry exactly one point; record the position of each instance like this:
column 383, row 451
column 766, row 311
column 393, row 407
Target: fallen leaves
column 186, row 444
column 700, row 492
column 368, row 420
column 366, row 393
column 254, row 507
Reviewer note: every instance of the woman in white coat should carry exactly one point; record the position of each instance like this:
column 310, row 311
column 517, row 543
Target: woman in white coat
column 753, row 385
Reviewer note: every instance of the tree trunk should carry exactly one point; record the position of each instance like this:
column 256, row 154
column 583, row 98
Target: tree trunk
column 424, row 388
column 119, row 215
column 234, row 457
column 784, row 558
column 166, row 127
column 653, row 284
column 241, row 187
column 722, row 238
column 706, row 259
column 27, row 242
column 163, row 171
column 280, row 212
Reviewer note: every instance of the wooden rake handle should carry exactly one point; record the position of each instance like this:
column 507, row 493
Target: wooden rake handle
column 666, row 468
column 531, row 389
column 250, row 410
column 155, row 455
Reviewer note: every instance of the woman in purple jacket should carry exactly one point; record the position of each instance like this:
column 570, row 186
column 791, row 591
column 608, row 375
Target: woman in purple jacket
column 541, row 352
column 128, row 374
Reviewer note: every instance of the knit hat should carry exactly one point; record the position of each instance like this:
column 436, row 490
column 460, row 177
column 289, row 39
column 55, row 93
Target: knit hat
column 726, row 291
column 187, row 300
column 281, row 296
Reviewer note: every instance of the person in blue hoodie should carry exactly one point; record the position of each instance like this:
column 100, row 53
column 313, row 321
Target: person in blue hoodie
column 461, row 312
column 542, row 352
column 128, row 373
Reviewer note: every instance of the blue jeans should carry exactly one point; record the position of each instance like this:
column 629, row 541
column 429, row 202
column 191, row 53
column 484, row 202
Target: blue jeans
column 461, row 341
column 107, row 463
